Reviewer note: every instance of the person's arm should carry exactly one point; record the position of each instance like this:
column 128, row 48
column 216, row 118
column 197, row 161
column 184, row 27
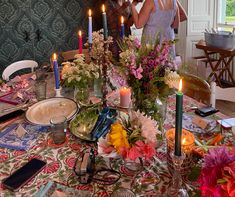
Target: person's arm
column 141, row 19
column 182, row 14
column 176, row 21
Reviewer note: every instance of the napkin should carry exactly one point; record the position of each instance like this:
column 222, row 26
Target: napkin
column 20, row 136
column 56, row 189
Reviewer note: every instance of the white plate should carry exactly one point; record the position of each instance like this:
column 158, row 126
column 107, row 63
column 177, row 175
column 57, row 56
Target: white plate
column 41, row 112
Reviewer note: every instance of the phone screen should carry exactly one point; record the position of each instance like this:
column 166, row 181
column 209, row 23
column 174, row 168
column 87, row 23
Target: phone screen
column 24, row 174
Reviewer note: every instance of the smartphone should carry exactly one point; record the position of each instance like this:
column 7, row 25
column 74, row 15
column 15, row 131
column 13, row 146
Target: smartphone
column 206, row 111
column 24, row 174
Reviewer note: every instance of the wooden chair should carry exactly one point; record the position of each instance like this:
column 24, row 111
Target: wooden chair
column 218, row 93
column 16, row 66
column 70, row 55
column 196, row 88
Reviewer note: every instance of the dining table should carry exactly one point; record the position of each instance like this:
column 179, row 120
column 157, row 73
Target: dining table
column 61, row 160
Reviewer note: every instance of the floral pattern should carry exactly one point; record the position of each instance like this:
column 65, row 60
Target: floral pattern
column 60, row 162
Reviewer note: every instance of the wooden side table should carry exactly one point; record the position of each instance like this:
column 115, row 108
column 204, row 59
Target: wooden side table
column 225, row 58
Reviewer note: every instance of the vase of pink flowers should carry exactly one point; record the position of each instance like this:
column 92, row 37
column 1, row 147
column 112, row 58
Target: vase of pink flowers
column 150, row 72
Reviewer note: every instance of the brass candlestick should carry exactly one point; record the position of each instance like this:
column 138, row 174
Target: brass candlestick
column 105, row 75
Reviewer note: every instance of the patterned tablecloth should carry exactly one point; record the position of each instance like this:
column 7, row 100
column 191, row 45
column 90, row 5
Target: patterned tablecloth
column 61, row 160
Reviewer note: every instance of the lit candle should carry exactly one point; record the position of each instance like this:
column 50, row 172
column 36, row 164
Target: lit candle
column 178, row 120
column 125, row 97
column 122, row 34
column 89, row 27
column 80, row 41
column 104, row 23
column 56, row 71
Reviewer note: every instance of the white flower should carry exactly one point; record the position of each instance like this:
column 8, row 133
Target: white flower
column 171, row 79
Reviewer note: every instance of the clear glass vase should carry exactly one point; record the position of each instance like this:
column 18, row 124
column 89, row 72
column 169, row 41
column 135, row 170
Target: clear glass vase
column 98, row 87
column 161, row 106
column 81, row 95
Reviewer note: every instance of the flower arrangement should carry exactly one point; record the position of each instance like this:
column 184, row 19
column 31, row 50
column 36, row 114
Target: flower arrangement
column 149, row 70
column 79, row 73
column 131, row 137
column 217, row 176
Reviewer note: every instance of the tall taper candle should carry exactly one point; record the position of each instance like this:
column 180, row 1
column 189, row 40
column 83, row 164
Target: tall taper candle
column 56, row 71
column 104, row 23
column 89, row 27
column 80, row 41
column 178, row 120
column 122, row 33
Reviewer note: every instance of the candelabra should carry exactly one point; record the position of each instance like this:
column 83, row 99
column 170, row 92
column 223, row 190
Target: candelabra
column 89, row 49
column 105, row 74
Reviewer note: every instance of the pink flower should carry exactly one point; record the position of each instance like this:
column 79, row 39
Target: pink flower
column 148, row 150
column 134, row 153
column 137, row 72
column 214, row 162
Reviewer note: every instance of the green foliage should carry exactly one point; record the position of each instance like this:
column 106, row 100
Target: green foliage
column 230, row 8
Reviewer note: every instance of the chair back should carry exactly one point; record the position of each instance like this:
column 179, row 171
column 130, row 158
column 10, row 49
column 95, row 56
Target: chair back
column 70, row 55
column 16, row 66
column 196, row 88
column 218, row 93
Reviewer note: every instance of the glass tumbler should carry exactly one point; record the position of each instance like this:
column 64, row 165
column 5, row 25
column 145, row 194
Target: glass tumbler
column 40, row 90
column 58, row 128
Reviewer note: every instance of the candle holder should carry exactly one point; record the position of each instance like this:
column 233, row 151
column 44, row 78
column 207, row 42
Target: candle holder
column 105, row 75
column 176, row 186
column 58, row 92
column 187, row 146
column 89, row 48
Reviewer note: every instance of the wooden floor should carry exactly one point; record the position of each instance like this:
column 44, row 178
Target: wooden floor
column 226, row 107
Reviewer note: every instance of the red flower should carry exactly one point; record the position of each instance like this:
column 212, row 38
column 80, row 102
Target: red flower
column 52, row 167
column 75, row 146
column 70, row 161
column 102, row 194
column 19, row 152
column 3, row 157
column 229, row 177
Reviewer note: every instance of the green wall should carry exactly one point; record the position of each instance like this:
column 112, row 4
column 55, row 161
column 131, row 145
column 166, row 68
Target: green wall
column 34, row 29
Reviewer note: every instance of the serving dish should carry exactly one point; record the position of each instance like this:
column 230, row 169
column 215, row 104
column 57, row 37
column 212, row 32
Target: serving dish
column 41, row 112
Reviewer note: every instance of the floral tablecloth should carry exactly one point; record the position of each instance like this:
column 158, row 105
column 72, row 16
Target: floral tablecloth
column 61, row 160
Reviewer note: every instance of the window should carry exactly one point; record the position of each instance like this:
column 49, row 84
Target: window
column 226, row 14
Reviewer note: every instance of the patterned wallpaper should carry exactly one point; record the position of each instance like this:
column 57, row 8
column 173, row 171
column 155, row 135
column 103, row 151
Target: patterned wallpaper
column 34, row 29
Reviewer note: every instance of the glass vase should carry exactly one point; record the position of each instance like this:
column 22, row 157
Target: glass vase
column 98, row 87
column 161, row 109
column 81, row 95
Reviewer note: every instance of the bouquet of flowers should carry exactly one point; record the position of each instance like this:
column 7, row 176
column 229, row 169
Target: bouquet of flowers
column 79, row 73
column 149, row 70
column 131, row 137
column 217, row 176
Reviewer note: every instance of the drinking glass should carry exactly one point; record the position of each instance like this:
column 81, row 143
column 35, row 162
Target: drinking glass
column 59, row 128
column 40, row 90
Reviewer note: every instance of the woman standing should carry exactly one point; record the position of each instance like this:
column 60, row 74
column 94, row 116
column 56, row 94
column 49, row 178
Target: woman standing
column 157, row 17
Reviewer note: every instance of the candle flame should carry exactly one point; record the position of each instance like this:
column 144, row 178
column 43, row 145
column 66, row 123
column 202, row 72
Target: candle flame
column 184, row 141
column 80, row 33
column 180, row 85
column 54, row 57
column 89, row 12
column 103, row 8
column 122, row 19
